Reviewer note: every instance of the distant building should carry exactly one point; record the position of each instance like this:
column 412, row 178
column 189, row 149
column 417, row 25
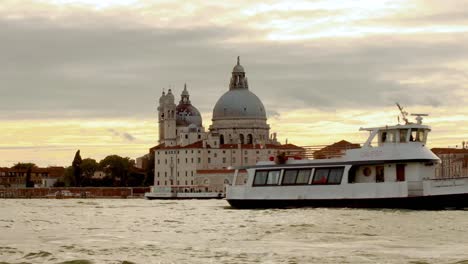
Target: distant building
column 188, row 155
column 334, row 150
column 142, row 162
column 99, row 174
column 454, row 162
column 42, row 177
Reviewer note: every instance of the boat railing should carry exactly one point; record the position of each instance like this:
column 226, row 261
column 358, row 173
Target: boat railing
column 447, row 170
column 182, row 189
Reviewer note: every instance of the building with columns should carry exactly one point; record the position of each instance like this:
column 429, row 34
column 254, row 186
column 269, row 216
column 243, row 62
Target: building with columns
column 189, row 156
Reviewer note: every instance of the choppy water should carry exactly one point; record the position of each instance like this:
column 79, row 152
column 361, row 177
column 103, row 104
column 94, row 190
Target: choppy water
column 140, row 231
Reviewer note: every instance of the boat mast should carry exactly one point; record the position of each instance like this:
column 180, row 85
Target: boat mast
column 404, row 114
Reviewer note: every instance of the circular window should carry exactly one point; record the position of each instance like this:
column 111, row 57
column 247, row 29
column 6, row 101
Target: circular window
column 367, row 171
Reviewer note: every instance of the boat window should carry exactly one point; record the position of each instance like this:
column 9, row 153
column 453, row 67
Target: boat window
column 260, row 177
column 335, row 175
column 384, row 136
column 266, row 177
column 328, row 175
column 403, row 133
column 417, row 135
column 303, row 176
column 391, row 136
column 292, row 177
column 273, row 177
column 289, row 177
column 321, row 176
column 379, row 176
column 421, row 135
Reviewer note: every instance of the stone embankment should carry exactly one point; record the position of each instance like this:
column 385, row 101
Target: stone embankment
column 74, row 192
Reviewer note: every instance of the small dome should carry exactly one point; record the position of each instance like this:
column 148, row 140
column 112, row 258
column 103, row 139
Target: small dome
column 169, row 97
column 162, row 98
column 239, row 103
column 238, row 67
column 187, row 115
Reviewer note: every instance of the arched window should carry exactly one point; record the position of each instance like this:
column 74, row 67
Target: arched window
column 249, row 139
column 241, row 137
column 221, row 139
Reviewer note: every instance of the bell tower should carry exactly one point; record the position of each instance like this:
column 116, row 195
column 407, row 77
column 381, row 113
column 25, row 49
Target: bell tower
column 161, row 117
column 167, row 119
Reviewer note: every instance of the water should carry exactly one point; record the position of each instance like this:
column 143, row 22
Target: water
column 140, row 231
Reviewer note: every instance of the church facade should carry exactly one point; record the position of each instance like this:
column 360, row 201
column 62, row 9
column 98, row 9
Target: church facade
column 187, row 155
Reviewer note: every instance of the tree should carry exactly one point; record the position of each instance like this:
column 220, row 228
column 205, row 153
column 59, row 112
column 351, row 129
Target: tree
column 88, row 168
column 68, row 177
column 118, row 167
column 24, row 166
column 149, row 176
column 77, row 168
column 28, row 167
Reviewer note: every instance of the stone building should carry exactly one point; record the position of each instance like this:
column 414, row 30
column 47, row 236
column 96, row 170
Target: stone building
column 41, row 177
column 187, row 155
column 454, row 162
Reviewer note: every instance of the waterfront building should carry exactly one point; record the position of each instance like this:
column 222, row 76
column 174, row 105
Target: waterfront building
column 334, row 150
column 454, row 161
column 41, row 177
column 188, row 155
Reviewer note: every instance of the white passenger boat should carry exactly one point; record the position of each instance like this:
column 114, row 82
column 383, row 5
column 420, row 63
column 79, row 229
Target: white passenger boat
column 393, row 169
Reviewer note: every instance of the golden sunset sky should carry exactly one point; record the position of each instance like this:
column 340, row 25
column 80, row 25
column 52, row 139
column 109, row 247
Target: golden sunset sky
column 87, row 74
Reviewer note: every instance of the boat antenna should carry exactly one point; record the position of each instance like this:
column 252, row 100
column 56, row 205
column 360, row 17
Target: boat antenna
column 404, row 114
column 419, row 117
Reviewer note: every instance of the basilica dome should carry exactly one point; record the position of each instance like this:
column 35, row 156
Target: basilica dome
column 186, row 113
column 239, row 102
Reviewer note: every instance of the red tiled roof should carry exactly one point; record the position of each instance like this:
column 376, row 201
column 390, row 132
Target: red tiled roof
column 334, row 149
column 449, row 151
column 258, row 146
column 199, row 144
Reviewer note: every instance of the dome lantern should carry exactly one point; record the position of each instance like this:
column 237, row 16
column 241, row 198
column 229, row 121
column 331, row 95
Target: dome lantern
column 185, row 96
column 169, row 97
column 238, row 79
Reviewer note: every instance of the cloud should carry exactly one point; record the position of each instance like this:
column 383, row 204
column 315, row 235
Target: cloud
column 128, row 137
column 65, row 66
column 114, row 132
column 124, row 135
column 119, row 71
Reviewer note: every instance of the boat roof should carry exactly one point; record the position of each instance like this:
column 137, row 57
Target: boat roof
column 399, row 126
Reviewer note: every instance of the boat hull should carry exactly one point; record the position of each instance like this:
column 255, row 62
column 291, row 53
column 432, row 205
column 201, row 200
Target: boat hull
column 434, row 202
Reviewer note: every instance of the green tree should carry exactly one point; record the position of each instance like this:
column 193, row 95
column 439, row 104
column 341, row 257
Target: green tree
column 28, row 167
column 88, row 168
column 76, row 164
column 149, row 169
column 69, row 177
column 24, row 166
column 118, row 167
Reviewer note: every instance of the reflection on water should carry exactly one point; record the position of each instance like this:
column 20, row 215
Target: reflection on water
column 140, row 231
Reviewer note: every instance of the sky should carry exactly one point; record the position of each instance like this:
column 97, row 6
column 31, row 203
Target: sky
column 83, row 74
